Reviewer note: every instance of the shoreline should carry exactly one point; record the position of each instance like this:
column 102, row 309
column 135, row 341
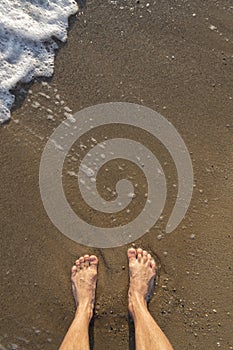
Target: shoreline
column 192, row 90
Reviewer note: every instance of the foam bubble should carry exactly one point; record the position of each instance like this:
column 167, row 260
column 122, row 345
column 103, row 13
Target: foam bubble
column 27, row 28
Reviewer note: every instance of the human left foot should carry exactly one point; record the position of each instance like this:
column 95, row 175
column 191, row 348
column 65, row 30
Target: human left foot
column 84, row 277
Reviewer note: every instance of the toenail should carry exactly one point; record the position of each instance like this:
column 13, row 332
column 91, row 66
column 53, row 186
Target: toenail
column 93, row 259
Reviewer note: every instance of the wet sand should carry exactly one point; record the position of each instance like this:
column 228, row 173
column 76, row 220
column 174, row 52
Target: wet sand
column 170, row 58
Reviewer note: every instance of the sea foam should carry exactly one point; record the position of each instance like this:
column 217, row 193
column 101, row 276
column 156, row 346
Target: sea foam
column 27, row 28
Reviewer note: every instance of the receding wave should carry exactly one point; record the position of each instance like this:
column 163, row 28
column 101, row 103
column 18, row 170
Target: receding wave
column 27, row 29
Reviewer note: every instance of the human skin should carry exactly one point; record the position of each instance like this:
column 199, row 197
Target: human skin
column 142, row 271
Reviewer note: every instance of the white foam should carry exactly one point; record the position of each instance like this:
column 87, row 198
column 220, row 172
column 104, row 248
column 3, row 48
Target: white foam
column 26, row 43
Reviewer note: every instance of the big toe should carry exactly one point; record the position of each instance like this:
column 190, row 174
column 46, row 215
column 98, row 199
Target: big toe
column 73, row 270
column 131, row 254
column 93, row 261
column 153, row 265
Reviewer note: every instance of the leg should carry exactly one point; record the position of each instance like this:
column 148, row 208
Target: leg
column 142, row 270
column 83, row 277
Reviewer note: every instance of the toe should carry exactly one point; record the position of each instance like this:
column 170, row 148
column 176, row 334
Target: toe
column 81, row 261
column 139, row 254
column 153, row 265
column 77, row 264
column 149, row 258
column 144, row 256
column 131, row 254
column 73, row 270
column 93, row 261
column 86, row 260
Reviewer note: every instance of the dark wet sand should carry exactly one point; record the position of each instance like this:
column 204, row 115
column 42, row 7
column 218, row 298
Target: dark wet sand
column 113, row 55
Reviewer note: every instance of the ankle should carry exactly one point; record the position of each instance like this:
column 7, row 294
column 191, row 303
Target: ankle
column 84, row 310
column 137, row 303
column 137, row 298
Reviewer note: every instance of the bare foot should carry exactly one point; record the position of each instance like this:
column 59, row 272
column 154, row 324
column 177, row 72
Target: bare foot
column 142, row 271
column 83, row 277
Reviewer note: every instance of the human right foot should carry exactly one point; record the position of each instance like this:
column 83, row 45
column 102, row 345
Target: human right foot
column 83, row 277
column 142, row 271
